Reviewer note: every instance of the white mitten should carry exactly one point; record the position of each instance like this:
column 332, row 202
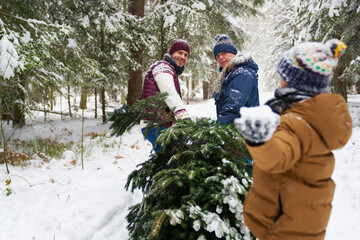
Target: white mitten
column 257, row 124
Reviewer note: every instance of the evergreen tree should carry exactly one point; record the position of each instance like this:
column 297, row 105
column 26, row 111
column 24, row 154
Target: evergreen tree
column 137, row 9
column 194, row 187
column 45, row 52
column 26, row 27
column 283, row 28
column 322, row 20
column 313, row 20
column 348, row 29
column 103, row 36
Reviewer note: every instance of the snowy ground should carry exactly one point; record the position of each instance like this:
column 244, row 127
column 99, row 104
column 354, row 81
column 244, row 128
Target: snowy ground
column 66, row 202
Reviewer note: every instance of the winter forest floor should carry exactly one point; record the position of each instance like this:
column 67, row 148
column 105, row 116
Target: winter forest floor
column 57, row 199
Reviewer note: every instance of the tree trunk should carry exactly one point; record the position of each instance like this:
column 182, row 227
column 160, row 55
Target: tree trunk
column 103, row 105
column 338, row 84
column 205, row 90
column 137, row 7
column 163, row 44
column 6, row 113
column 44, row 112
column 188, row 90
column 69, row 100
column 213, row 78
column 96, row 102
column 19, row 116
column 82, row 137
column 61, row 112
column 51, row 97
column 135, row 81
column 45, row 98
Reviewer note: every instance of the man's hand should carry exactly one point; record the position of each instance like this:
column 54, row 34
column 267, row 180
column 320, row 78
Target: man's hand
column 182, row 114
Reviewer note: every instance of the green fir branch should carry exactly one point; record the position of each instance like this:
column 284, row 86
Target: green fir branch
column 153, row 109
column 201, row 165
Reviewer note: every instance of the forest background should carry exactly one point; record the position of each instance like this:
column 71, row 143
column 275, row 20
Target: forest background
column 104, row 47
column 98, row 52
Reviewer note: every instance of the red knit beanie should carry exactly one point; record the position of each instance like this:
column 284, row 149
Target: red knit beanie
column 179, row 44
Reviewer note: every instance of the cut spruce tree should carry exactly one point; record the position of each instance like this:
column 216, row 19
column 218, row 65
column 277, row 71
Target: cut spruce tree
column 195, row 186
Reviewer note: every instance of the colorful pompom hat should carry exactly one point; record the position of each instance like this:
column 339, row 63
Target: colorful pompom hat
column 309, row 66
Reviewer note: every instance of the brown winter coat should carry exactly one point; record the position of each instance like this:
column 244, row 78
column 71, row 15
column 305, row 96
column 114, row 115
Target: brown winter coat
column 292, row 187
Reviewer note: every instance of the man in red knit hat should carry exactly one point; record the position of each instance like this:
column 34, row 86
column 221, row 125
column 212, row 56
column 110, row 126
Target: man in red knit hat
column 162, row 77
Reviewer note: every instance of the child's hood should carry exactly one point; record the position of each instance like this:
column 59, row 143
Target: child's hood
column 328, row 114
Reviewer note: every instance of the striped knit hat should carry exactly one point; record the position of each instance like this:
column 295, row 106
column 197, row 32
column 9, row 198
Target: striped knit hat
column 223, row 43
column 309, row 66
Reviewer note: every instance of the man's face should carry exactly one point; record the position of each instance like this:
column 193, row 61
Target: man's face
column 224, row 58
column 283, row 83
column 180, row 57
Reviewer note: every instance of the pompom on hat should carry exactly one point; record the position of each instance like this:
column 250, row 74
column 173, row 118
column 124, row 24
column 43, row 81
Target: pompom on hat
column 309, row 66
column 223, row 43
column 179, row 44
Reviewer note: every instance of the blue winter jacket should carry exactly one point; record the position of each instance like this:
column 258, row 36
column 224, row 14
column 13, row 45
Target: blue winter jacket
column 238, row 87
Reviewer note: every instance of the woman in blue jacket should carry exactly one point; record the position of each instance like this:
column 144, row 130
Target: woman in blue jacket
column 237, row 83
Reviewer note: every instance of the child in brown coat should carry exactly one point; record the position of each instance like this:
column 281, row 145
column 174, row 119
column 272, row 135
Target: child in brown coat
column 291, row 140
